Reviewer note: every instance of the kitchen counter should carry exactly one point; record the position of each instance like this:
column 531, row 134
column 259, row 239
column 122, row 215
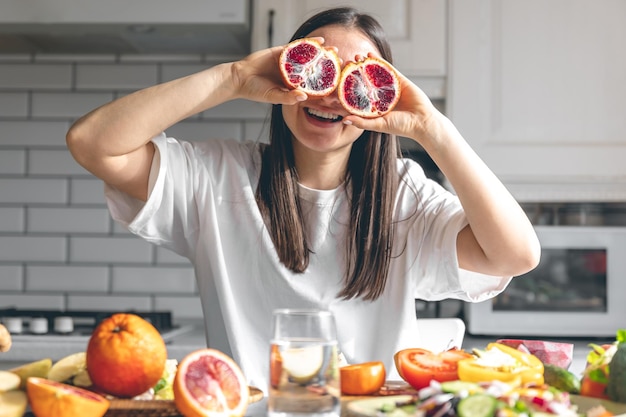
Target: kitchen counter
column 28, row 351
column 180, row 346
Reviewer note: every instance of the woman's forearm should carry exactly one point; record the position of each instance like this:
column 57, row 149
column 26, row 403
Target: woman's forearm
column 500, row 239
column 122, row 126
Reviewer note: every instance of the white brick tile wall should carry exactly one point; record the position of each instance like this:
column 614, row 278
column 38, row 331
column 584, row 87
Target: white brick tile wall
column 11, row 277
column 68, row 220
column 119, row 229
column 53, row 162
column 35, row 76
column 166, row 257
column 159, row 58
column 33, row 300
column 183, row 307
column 12, row 161
column 12, row 220
column 87, row 191
column 115, row 77
column 65, row 58
column 110, row 250
column 33, row 190
column 160, row 280
column 13, row 104
column 109, row 302
column 67, row 104
column 59, row 248
column 67, row 279
column 33, row 133
column 32, row 248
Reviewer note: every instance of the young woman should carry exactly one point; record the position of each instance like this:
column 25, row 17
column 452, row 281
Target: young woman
column 326, row 216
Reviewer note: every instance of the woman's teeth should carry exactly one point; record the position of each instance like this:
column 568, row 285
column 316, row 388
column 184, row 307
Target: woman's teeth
column 322, row 115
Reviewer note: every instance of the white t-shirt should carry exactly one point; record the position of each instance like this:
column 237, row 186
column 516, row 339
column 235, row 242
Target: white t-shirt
column 202, row 207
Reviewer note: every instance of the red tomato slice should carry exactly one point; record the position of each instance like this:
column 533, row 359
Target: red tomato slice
column 420, row 366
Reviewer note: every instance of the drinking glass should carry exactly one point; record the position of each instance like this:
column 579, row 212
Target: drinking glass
column 304, row 365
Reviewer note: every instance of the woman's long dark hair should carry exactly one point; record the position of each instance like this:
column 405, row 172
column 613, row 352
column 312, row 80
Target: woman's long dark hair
column 371, row 181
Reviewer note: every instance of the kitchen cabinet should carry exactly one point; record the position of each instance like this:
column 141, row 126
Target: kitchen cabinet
column 416, row 28
column 537, row 87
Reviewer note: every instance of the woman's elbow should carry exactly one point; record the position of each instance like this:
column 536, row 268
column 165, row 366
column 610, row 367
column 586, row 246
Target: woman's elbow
column 528, row 257
column 78, row 142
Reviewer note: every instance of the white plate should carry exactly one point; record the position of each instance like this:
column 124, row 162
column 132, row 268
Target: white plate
column 369, row 407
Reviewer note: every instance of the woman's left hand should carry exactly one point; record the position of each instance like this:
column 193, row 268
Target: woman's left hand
column 414, row 116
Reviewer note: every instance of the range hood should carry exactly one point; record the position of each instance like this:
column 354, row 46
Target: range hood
column 211, row 27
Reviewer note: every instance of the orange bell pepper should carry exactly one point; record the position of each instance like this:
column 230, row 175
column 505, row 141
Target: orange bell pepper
column 502, row 363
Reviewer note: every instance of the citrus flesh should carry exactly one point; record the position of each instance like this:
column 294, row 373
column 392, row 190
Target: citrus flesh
column 49, row 398
column 369, row 88
column 210, row 383
column 306, row 65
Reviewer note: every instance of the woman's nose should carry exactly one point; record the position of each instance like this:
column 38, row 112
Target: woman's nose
column 330, row 100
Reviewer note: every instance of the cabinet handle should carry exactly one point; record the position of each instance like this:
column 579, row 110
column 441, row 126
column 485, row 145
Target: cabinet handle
column 270, row 28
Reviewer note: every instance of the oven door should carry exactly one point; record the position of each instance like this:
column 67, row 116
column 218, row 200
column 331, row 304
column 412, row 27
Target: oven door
column 578, row 288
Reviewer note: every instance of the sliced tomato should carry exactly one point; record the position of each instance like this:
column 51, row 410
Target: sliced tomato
column 420, row 366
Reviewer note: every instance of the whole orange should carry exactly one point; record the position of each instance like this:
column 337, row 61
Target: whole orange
column 125, row 355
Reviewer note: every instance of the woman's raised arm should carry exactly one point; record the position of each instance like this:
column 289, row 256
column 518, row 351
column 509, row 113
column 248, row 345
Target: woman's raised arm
column 113, row 142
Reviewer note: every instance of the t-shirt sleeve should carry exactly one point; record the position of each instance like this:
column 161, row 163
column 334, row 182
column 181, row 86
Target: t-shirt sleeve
column 167, row 218
column 437, row 219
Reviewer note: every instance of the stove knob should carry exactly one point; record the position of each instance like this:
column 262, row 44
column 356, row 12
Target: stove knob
column 38, row 325
column 63, row 324
column 13, row 325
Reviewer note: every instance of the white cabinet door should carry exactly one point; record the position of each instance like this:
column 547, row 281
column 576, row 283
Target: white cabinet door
column 416, row 28
column 538, row 88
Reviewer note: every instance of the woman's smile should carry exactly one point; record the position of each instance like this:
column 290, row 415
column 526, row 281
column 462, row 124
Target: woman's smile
column 322, row 116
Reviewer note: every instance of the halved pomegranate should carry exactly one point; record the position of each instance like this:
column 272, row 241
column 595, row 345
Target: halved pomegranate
column 369, row 88
column 306, row 65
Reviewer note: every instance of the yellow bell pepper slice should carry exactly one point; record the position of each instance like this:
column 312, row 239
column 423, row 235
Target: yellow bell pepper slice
column 504, row 364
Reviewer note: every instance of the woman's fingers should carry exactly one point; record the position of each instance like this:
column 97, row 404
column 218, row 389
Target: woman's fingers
column 284, row 96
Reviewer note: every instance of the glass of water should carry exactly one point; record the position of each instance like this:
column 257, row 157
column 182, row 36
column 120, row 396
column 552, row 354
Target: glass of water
column 304, row 365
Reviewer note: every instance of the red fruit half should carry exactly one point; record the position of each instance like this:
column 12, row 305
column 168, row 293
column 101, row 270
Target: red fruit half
column 306, row 65
column 369, row 88
column 208, row 383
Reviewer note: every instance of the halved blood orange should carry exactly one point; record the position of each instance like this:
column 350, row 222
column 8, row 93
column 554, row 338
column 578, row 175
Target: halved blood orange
column 369, row 88
column 49, row 398
column 362, row 378
column 306, row 65
column 209, row 383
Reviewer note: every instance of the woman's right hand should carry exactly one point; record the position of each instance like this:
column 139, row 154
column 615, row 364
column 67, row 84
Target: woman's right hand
column 257, row 78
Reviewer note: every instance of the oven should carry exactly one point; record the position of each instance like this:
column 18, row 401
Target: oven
column 577, row 290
